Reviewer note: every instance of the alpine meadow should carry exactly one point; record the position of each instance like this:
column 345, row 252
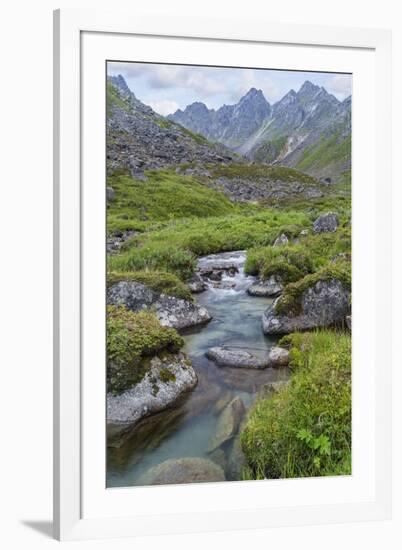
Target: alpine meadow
column 228, row 288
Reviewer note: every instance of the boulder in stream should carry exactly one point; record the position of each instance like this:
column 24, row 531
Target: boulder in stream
column 162, row 386
column 226, row 356
column 171, row 311
column 269, row 287
column 228, row 424
column 183, row 470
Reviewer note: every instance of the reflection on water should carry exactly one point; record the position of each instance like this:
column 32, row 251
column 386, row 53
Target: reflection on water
column 186, row 430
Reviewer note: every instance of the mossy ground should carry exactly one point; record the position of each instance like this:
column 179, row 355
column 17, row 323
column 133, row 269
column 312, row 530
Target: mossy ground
column 305, row 429
column 164, row 196
column 131, row 338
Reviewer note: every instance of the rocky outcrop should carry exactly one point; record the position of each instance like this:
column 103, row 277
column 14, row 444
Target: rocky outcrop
column 242, row 358
column 325, row 303
column 326, row 223
column 228, row 424
column 162, row 386
column 270, row 287
column 264, row 188
column 183, row 470
column 139, row 139
column 171, row 311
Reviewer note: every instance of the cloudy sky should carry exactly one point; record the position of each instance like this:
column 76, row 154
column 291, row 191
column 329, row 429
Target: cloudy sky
column 169, row 87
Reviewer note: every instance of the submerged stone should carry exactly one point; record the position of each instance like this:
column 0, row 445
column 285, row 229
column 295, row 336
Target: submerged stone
column 183, row 470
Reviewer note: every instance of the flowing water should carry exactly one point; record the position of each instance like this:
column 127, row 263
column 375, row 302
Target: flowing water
column 185, row 430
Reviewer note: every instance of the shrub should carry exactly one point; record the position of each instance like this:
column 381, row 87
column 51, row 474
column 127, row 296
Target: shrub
column 305, row 428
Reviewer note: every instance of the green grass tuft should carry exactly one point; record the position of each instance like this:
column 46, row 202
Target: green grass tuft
column 305, row 429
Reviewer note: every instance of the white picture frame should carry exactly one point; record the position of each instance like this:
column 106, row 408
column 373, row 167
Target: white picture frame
column 83, row 507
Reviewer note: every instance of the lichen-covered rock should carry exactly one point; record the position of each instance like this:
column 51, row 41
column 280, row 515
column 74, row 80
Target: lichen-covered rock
column 171, row 311
column 165, row 382
column 183, row 470
column 325, row 303
column 281, row 240
column 326, row 223
column 269, row 288
column 228, row 423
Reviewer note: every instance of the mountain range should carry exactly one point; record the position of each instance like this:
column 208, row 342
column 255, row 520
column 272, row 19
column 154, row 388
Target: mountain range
column 309, row 129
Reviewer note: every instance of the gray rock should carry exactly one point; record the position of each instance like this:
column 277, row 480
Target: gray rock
column 278, row 357
column 242, row 358
column 183, row 470
column 281, row 240
column 348, row 320
column 228, row 424
column 196, row 284
column 110, row 193
column 239, row 358
column 153, row 393
column 304, row 232
column 326, row 223
column 269, row 288
column 324, row 304
column 171, row 311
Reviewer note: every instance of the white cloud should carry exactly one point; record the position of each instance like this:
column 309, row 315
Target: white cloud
column 164, row 106
column 203, row 81
column 340, row 85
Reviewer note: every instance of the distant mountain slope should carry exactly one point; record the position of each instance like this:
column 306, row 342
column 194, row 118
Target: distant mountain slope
column 230, row 124
column 139, row 139
column 309, row 129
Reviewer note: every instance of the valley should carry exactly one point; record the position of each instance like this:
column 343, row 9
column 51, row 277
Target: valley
column 228, row 289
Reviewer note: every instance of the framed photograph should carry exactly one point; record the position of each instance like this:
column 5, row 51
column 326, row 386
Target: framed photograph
column 222, row 204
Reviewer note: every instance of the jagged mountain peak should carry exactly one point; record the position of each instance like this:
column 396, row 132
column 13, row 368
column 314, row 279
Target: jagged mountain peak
column 252, row 94
column 308, row 88
column 119, row 82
